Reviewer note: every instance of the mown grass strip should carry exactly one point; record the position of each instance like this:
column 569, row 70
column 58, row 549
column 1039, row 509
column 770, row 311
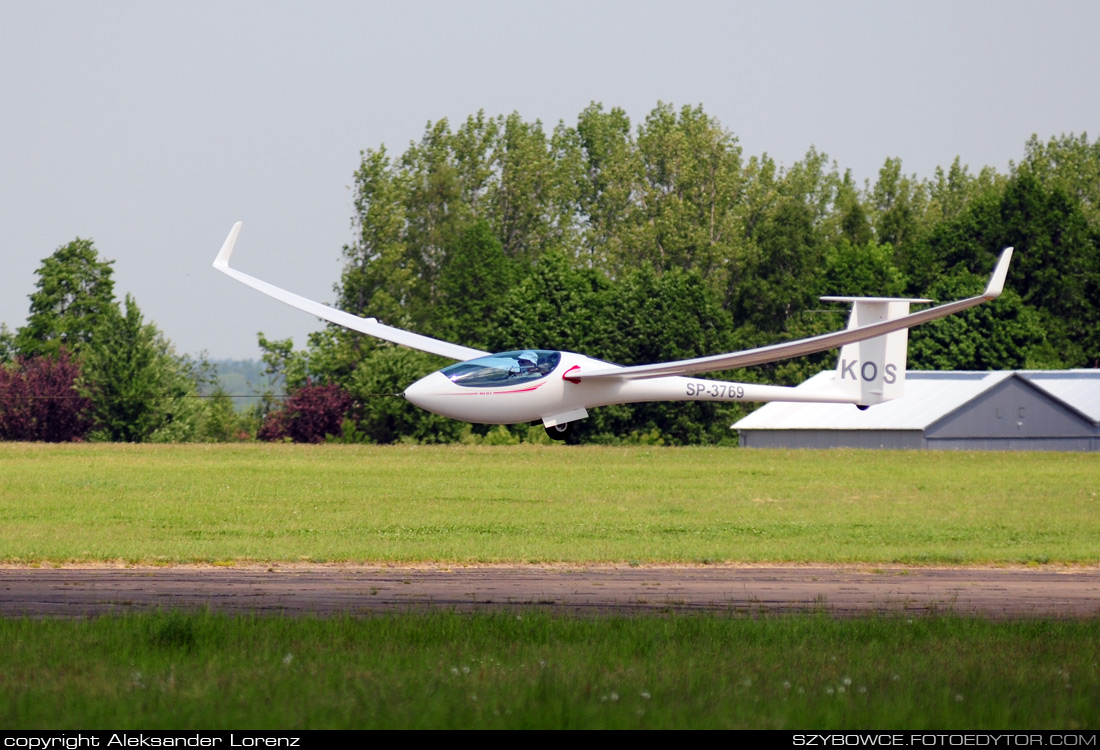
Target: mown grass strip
column 207, row 503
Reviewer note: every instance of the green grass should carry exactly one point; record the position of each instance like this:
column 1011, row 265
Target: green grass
column 242, row 503
column 255, row 502
column 530, row 670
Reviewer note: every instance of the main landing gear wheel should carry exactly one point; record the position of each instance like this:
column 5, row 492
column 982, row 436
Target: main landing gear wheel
column 560, row 431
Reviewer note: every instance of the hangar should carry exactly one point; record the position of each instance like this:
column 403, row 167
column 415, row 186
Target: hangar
column 1051, row 410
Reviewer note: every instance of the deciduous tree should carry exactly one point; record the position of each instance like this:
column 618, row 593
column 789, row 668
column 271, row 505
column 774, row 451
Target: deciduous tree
column 73, row 295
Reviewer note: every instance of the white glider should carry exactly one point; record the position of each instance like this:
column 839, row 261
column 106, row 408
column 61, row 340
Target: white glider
column 557, row 387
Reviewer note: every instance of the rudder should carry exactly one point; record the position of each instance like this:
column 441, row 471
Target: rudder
column 873, row 371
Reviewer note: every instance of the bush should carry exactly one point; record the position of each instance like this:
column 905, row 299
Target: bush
column 311, row 414
column 39, row 403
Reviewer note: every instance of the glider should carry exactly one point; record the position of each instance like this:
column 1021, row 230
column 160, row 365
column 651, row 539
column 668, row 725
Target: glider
column 557, row 387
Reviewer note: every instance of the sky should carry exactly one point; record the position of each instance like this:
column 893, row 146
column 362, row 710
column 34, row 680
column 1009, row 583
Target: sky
column 152, row 127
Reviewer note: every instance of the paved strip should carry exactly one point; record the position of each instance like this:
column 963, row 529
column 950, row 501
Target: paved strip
column 351, row 589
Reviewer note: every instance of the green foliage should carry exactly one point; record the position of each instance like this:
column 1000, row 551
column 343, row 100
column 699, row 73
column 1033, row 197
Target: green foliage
column 607, row 171
column 380, row 275
column 74, row 294
column 854, row 219
column 1070, row 164
column 557, row 306
column 898, row 204
column 866, row 270
column 7, row 344
column 787, row 258
column 386, row 417
column 140, row 389
column 223, row 422
column 1001, row 335
column 691, row 180
column 474, row 280
column 665, row 241
column 500, row 435
column 1057, row 271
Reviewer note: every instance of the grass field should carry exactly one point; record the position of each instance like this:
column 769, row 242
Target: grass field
column 516, row 504
column 261, row 502
column 204, row 671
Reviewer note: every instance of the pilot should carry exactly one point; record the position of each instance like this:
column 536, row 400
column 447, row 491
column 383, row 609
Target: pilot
column 529, row 362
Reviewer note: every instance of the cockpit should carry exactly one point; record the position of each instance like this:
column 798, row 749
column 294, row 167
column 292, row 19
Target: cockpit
column 505, row 368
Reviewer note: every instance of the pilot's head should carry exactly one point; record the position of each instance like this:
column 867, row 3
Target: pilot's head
column 528, row 359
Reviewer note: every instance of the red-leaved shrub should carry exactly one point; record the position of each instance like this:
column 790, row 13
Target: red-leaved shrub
column 38, row 400
column 310, row 413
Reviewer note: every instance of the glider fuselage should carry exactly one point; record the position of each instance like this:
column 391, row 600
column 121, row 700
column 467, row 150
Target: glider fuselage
column 505, row 389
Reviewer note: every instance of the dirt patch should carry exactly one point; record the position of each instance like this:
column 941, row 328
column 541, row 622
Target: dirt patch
column 311, row 589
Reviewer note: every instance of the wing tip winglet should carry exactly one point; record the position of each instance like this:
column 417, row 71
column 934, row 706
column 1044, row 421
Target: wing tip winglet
column 222, row 261
column 1000, row 273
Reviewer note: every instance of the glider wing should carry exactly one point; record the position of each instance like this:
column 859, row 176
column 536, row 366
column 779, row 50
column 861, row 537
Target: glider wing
column 802, row 347
column 369, row 326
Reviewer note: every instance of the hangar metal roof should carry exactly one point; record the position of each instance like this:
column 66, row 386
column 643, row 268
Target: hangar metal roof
column 929, row 396
column 1078, row 388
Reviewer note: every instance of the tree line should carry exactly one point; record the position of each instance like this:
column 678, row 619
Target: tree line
column 665, row 241
column 86, row 366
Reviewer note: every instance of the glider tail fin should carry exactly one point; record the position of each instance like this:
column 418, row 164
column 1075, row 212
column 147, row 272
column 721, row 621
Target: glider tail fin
column 873, row 370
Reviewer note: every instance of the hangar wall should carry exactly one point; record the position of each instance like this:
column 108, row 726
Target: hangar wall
column 1006, row 410
column 893, row 439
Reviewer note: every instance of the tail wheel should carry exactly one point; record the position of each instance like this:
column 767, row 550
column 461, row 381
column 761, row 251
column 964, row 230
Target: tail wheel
column 560, row 431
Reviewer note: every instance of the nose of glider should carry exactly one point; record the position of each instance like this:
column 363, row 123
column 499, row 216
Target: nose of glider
column 424, row 392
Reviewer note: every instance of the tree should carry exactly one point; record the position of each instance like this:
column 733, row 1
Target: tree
column 1057, row 266
column 1055, row 269
column 74, row 294
column 526, row 205
column 859, row 270
column 1001, row 335
column 665, row 241
column 855, row 224
column 1071, row 164
column 609, row 174
column 223, row 423
column 7, row 344
column 557, row 306
column 655, row 317
column 898, row 202
column 137, row 384
column 779, row 282
column 692, row 180
column 474, row 280
column 380, row 276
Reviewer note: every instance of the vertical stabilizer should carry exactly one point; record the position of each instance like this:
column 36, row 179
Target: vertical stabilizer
column 873, row 370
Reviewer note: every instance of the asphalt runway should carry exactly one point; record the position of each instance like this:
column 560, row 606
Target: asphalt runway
column 844, row 591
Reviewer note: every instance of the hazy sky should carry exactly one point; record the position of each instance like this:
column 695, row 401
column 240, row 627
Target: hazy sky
column 151, row 127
